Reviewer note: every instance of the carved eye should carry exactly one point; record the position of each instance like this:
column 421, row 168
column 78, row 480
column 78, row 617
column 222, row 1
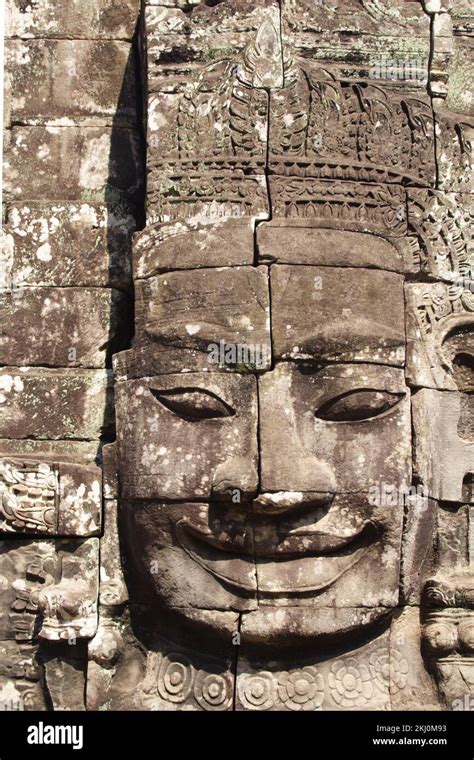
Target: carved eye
column 193, row 404
column 357, row 406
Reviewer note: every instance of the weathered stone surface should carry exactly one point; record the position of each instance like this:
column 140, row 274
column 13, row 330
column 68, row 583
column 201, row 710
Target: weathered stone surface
column 345, row 205
column 207, row 311
column 442, row 222
column 187, row 436
column 346, row 428
column 54, row 403
column 66, row 244
column 421, row 547
column 327, row 147
column 115, row 669
column 110, row 471
column 454, row 152
column 387, row 41
column 21, row 677
column 70, row 163
column 441, row 53
column 190, row 555
column 453, row 545
column 64, row 82
column 188, row 245
column 65, row 679
column 19, row 660
column 45, row 497
column 323, row 553
column 440, row 335
column 179, row 193
column 358, row 680
column 460, row 96
column 50, row 589
column 286, row 242
column 447, row 635
column 289, row 528
column 113, row 593
column 444, row 443
column 112, row 589
column 176, row 31
column 79, row 18
column 76, row 452
column 412, row 686
column 169, row 676
column 208, row 144
column 69, row 606
column 63, row 327
column 335, row 314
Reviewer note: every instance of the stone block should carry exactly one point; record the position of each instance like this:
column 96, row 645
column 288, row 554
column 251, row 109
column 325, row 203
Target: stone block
column 21, row 678
column 187, row 436
column 346, row 428
column 72, row 163
column 190, row 555
column 287, row 243
column 444, row 443
column 63, row 327
column 221, row 314
column 337, row 314
column 50, row 589
column 440, row 336
column 66, row 244
column 188, row 245
column 103, row 19
column 66, row 82
column 55, row 403
column 46, row 497
column 353, row 680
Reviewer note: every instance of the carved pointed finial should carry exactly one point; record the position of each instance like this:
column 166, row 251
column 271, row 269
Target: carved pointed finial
column 263, row 59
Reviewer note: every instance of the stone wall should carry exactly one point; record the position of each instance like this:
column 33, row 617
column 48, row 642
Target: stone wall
column 308, row 174
column 73, row 184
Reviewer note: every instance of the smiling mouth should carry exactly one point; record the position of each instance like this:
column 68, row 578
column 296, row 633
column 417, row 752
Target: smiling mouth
column 308, row 561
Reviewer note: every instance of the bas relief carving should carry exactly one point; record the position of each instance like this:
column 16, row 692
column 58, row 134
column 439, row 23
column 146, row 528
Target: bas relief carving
column 293, row 532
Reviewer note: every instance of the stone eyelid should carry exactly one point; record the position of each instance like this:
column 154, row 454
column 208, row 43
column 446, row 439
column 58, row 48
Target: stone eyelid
column 193, row 404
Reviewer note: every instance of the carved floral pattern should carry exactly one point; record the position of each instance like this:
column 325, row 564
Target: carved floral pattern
column 213, row 691
column 389, row 670
column 258, row 692
column 175, row 677
column 302, row 689
column 350, row 683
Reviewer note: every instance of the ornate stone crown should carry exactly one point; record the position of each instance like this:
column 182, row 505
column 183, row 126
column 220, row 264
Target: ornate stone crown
column 269, row 113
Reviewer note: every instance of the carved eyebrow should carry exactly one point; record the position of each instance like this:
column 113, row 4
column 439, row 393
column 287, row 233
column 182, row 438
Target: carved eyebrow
column 367, row 334
column 362, row 376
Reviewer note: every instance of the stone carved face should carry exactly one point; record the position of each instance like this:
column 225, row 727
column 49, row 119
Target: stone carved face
column 251, row 490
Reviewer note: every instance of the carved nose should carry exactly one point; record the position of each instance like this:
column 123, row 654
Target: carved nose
column 235, row 474
column 296, row 473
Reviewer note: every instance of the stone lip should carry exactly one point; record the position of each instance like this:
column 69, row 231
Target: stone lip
column 315, row 558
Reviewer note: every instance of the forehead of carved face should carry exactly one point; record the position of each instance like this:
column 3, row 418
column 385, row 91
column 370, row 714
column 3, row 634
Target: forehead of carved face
column 252, row 477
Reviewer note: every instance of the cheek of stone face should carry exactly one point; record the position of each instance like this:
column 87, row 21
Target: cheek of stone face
column 330, row 555
column 189, row 555
column 185, row 436
column 343, row 428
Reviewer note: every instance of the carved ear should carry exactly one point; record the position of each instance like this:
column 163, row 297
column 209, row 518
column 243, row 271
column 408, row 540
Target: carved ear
column 458, row 351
